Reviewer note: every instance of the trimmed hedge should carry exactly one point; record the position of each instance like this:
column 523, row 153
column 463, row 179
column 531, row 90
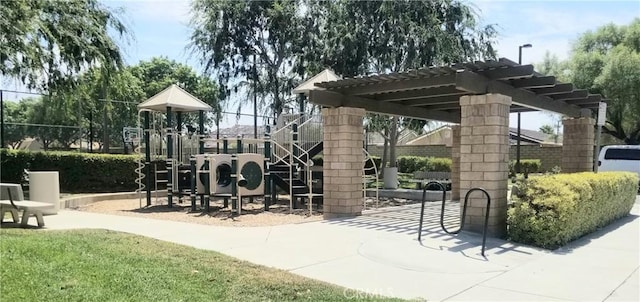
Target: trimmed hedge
column 78, row 172
column 552, row 210
column 526, row 166
column 410, row 164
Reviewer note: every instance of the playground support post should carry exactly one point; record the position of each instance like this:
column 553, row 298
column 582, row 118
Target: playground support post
column 234, row 183
column 255, row 98
column 267, row 163
column 178, row 141
column 207, row 186
column 1, row 120
column 201, row 132
column 192, row 164
column 169, row 161
column 147, row 156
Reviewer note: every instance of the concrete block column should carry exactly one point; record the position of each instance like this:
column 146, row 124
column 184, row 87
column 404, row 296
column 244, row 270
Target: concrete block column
column 343, row 162
column 455, row 162
column 484, row 157
column 577, row 144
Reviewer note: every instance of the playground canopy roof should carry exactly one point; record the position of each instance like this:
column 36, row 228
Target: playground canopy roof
column 176, row 98
column 326, row 75
column 433, row 93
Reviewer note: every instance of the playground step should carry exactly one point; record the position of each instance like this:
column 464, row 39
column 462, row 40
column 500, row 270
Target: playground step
column 279, row 168
column 306, row 195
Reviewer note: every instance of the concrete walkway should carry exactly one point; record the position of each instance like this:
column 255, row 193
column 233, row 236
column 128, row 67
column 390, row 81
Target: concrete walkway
column 378, row 254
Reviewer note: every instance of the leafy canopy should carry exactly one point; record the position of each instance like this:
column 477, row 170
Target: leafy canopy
column 229, row 35
column 44, row 43
column 607, row 61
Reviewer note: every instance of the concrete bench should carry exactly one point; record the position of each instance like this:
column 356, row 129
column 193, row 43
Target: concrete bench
column 28, row 208
column 9, row 188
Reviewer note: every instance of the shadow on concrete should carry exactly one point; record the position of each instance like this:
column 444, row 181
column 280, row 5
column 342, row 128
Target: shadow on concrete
column 405, row 220
column 586, row 239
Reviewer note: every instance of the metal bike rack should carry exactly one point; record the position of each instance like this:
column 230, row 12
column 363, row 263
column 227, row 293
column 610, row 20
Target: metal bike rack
column 464, row 212
column 424, row 196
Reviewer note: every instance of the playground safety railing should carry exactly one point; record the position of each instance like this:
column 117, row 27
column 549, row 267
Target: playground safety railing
column 368, row 178
column 139, row 170
column 310, row 131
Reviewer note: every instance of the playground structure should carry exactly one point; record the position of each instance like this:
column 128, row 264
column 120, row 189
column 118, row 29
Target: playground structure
column 278, row 164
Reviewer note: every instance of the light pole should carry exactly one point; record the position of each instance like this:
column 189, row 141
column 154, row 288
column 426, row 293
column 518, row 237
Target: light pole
column 518, row 138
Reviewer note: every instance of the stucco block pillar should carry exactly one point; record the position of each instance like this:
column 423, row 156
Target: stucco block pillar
column 343, row 162
column 577, row 144
column 455, row 162
column 484, row 157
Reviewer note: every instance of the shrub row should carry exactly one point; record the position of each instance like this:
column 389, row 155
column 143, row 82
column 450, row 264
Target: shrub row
column 552, row 210
column 78, row 172
column 410, row 164
column 526, row 166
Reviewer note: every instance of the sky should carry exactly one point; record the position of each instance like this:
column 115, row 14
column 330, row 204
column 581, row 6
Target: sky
column 160, row 28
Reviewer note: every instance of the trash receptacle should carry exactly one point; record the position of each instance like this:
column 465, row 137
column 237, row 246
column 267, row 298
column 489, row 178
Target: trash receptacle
column 44, row 186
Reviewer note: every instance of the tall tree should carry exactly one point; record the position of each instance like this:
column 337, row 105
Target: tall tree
column 228, row 35
column 110, row 99
column 159, row 73
column 391, row 36
column 607, row 61
column 15, row 115
column 53, row 119
column 551, row 65
column 550, row 131
column 46, row 43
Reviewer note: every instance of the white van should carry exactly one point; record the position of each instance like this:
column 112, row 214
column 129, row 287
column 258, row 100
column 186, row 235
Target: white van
column 620, row 158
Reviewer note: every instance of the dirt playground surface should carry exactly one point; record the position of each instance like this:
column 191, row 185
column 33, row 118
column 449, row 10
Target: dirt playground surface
column 253, row 214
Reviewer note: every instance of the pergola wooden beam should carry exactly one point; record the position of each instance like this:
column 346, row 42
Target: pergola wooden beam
column 557, row 89
column 471, row 82
column 451, row 99
column 541, row 82
column 574, row 95
column 420, row 93
column 446, row 106
column 475, row 83
column 591, row 99
column 335, row 99
column 401, row 85
column 509, row 73
column 531, row 100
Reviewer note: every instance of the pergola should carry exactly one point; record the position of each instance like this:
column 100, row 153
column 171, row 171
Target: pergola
column 478, row 97
column 433, row 93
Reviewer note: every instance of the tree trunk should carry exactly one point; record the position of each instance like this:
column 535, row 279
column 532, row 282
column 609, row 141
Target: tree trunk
column 393, row 141
column 385, row 152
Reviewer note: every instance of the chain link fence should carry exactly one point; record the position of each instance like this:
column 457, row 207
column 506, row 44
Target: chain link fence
column 37, row 121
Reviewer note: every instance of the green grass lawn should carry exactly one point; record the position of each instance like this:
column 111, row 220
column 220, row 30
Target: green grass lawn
column 99, row 265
